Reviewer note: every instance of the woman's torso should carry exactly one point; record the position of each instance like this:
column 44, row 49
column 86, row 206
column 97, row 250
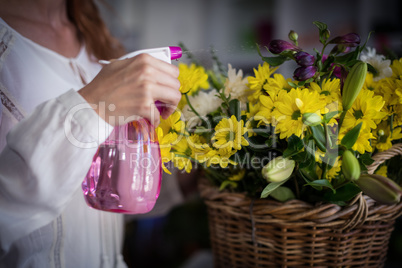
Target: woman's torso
column 32, row 74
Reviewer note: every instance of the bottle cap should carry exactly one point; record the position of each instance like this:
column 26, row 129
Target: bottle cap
column 175, row 53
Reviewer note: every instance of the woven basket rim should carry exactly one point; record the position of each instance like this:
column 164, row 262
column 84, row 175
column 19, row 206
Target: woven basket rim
column 362, row 208
column 247, row 232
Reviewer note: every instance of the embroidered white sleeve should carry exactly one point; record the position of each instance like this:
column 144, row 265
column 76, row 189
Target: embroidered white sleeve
column 46, row 157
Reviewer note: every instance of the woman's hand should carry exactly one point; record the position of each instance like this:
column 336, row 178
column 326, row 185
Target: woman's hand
column 129, row 88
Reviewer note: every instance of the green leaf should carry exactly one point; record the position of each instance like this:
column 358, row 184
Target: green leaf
column 320, row 25
column 330, row 115
column 275, row 61
column 292, row 84
column 309, row 80
column 343, row 194
column 295, row 144
column 301, row 83
column 226, row 184
column 321, row 183
column 351, row 136
column 348, row 57
column 309, row 172
column 262, row 132
column 366, row 159
column 372, row 70
column 270, row 188
column 283, row 194
column 319, row 137
column 328, row 62
column 234, row 108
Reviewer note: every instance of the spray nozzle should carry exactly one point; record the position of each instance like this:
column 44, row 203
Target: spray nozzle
column 159, row 53
column 175, row 53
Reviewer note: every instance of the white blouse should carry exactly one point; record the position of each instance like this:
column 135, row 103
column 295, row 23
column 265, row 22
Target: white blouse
column 44, row 220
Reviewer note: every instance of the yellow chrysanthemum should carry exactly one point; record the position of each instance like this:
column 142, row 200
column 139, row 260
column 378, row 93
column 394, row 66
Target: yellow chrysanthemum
column 386, row 89
column 198, row 147
column 384, row 137
column 229, row 133
column 396, row 67
column 382, row 171
column 266, row 108
column 277, row 82
column 165, row 146
column 257, row 82
column 290, row 107
column 399, row 94
column 203, row 153
column 365, row 109
column 330, row 90
column 333, row 171
column 330, row 93
column 221, row 157
column 173, row 124
column 181, row 158
column 369, row 83
column 363, row 142
column 251, row 118
column 192, row 78
column 397, row 111
column 238, row 176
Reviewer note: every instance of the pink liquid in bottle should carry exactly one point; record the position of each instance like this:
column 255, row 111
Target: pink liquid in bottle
column 125, row 175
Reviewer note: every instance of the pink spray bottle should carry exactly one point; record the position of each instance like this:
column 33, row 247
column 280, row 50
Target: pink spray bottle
column 126, row 172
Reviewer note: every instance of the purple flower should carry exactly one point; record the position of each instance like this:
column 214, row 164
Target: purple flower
column 304, row 59
column 304, row 73
column 340, row 48
column 279, row 46
column 349, row 40
column 337, row 71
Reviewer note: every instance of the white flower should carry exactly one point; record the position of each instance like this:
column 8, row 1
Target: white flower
column 379, row 63
column 204, row 103
column 236, row 85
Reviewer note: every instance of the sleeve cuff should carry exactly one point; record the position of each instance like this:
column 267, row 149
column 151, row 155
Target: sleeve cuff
column 79, row 111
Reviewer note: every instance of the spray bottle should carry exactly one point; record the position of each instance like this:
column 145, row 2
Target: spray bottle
column 126, row 172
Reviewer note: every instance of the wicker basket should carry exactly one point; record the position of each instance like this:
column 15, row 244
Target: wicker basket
column 266, row 233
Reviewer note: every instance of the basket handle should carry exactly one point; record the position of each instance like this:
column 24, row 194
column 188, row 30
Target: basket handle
column 381, row 157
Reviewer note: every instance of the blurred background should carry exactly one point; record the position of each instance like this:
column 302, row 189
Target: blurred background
column 232, row 28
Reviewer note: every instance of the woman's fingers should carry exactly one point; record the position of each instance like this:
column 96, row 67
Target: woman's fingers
column 134, row 86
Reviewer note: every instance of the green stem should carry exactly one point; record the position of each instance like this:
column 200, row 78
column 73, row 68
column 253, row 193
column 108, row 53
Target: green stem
column 192, row 108
column 323, row 49
column 297, row 187
column 185, row 156
column 324, row 170
column 328, row 143
column 343, row 114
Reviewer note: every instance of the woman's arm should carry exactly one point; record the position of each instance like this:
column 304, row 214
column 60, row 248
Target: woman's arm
column 48, row 154
column 44, row 163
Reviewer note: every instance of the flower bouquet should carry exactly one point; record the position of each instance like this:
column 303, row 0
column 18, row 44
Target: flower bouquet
column 282, row 153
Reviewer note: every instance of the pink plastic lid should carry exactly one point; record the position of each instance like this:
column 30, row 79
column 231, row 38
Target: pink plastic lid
column 175, row 53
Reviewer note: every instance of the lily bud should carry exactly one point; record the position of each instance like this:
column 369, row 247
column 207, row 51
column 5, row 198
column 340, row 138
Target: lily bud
column 304, row 73
column 350, row 40
column 311, row 119
column 381, row 189
column 293, row 36
column 350, row 166
column 279, row 46
column 304, row 59
column 353, row 84
column 278, row 169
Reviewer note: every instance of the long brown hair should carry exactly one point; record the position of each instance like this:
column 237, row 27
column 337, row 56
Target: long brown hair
column 92, row 30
